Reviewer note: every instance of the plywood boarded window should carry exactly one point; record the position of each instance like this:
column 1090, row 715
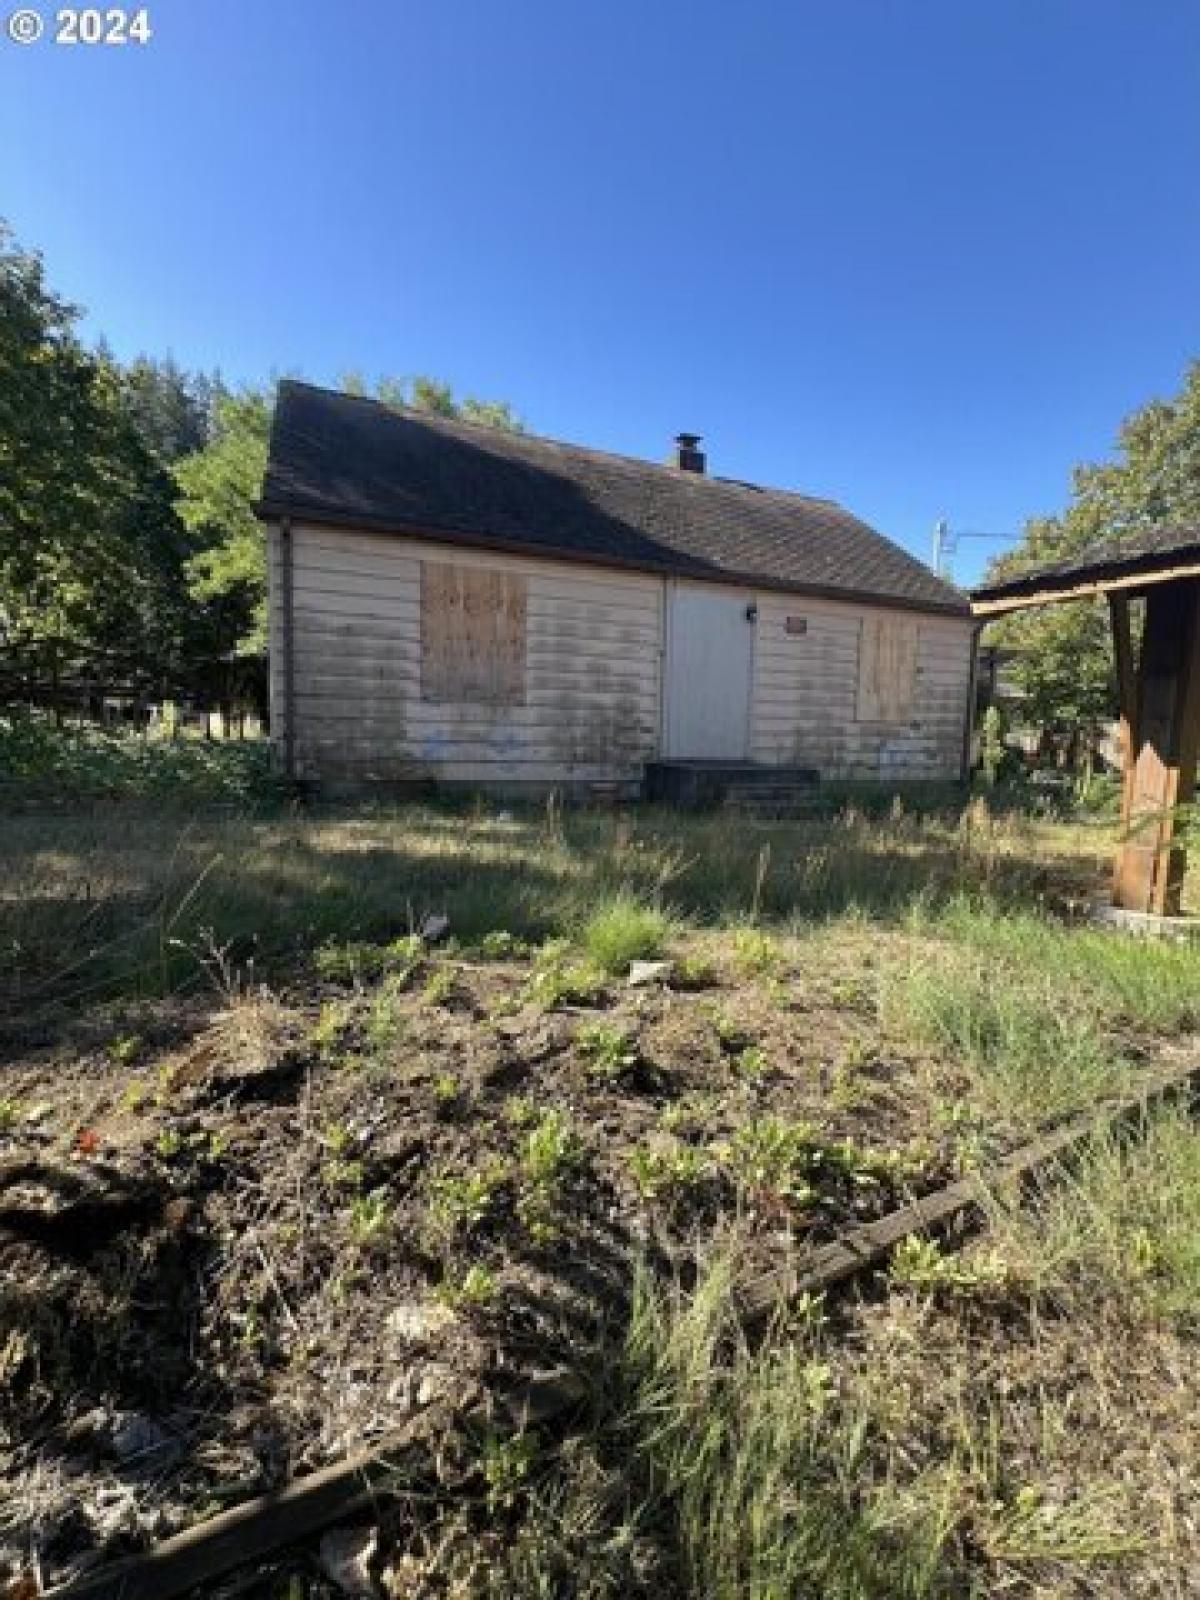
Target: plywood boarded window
column 887, row 670
column 472, row 634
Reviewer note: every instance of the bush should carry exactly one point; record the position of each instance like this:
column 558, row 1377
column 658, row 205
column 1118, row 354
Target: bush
column 44, row 764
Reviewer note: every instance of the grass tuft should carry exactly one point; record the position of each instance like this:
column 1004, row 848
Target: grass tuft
column 625, row 930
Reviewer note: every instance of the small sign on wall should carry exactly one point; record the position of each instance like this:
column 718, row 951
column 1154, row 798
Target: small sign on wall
column 795, row 625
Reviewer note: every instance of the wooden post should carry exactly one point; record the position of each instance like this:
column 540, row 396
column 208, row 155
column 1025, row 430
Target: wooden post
column 1118, row 607
column 1164, row 738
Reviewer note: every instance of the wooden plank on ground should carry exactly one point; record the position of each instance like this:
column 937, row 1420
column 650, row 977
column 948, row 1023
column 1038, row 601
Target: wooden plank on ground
column 959, row 1204
column 409, row 1457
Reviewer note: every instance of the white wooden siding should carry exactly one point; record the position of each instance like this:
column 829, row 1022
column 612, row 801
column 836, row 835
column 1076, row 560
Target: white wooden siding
column 593, row 658
column 806, row 694
column 593, row 692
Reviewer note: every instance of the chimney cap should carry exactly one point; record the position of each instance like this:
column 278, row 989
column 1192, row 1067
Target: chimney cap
column 688, row 455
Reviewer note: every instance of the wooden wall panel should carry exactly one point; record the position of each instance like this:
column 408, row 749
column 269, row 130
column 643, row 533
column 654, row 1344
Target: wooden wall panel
column 588, row 706
column 472, row 634
column 806, row 700
column 887, row 669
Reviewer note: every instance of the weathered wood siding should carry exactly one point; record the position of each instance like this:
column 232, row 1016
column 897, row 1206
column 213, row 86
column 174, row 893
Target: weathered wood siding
column 588, row 706
column 584, row 702
column 807, row 699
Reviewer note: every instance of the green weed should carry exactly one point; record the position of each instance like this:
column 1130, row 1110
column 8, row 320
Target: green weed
column 609, row 1051
column 622, row 931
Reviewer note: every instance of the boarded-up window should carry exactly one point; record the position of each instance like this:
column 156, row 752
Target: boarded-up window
column 472, row 634
column 887, row 670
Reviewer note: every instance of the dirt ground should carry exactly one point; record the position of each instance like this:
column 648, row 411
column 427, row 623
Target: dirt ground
column 245, row 1231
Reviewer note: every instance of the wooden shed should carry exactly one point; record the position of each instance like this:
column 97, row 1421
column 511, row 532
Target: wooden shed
column 1150, row 577
column 455, row 602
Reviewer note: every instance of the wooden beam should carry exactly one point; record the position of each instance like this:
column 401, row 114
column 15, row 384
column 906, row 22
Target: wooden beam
column 1118, row 605
column 1152, row 861
column 1130, row 583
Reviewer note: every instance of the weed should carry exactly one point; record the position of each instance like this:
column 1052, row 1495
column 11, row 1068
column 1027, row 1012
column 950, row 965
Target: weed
column 441, row 988
column 329, row 1031
column 216, row 1146
column 921, row 1264
column 125, row 1050
column 670, row 1170
column 358, row 960
column 520, row 1112
column 507, row 1464
column 336, row 1137
column 476, row 1289
column 135, row 1095
column 609, row 1051
column 558, row 981
column 732, row 1035
column 770, row 1157
column 457, row 1204
column 756, row 953
column 500, row 945
column 694, row 971
column 10, row 1115
column 447, row 1090
column 622, row 931
column 750, row 1063
column 693, row 1113
column 385, row 1025
column 1036, row 1051
column 342, row 1172
column 370, row 1217
column 551, row 1151
column 1127, row 1216
column 169, row 1144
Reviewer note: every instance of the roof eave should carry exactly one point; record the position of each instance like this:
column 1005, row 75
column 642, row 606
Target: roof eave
column 1129, row 577
column 273, row 511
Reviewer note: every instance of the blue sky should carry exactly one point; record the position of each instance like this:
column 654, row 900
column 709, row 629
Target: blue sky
column 919, row 255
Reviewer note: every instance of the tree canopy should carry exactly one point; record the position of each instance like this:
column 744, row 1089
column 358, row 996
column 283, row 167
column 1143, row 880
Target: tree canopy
column 1063, row 654
column 127, row 492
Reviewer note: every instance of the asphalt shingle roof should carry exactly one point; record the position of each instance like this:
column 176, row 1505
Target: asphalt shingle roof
column 1117, row 555
column 355, row 462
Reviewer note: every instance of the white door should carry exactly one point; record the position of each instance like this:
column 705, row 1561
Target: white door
column 710, row 653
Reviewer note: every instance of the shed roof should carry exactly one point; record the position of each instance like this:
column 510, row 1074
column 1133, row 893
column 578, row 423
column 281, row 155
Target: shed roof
column 355, row 462
column 1121, row 561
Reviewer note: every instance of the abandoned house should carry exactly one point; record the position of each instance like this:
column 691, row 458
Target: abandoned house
column 454, row 602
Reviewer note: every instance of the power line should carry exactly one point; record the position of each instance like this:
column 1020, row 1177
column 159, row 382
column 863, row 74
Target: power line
column 946, row 541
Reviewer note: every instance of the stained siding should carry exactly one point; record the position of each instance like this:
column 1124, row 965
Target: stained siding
column 593, row 675
column 592, row 667
column 806, row 694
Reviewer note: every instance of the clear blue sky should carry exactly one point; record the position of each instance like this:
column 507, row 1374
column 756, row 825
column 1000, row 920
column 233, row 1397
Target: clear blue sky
column 920, row 255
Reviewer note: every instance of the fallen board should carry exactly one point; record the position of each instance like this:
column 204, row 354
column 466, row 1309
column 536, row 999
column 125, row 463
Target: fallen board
column 957, row 1205
column 409, row 1458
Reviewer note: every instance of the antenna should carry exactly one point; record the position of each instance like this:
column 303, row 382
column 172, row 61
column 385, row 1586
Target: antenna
column 945, row 543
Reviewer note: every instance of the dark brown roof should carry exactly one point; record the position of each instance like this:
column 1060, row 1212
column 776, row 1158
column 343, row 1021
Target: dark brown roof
column 1120, row 555
column 342, row 459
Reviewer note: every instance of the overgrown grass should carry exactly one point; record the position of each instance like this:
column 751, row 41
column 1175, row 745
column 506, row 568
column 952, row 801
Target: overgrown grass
column 924, row 1458
column 92, row 904
column 1035, row 1052
column 1126, row 1220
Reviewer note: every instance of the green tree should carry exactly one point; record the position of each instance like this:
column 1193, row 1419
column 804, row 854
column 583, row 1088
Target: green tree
column 91, row 553
column 218, row 488
column 1063, row 654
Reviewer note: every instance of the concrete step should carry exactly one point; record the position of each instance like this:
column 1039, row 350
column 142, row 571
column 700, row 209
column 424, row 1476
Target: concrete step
column 697, row 785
